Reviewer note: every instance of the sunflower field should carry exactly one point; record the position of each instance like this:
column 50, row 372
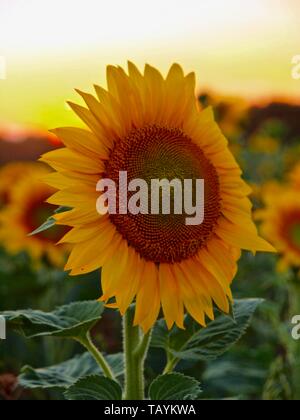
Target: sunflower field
column 150, row 243
column 51, row 350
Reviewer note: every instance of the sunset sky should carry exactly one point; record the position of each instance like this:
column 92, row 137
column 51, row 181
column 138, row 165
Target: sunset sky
column 52, row 46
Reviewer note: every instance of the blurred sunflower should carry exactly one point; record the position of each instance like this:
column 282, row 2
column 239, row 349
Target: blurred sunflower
column 152, row 128
column 281, row 222
column 9, row 175
column 231, row 112
column 264, row 144
column 294, row 176
column 25, row 211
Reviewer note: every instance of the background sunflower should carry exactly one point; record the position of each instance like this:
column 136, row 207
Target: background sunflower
column 25, row 210
column 281, row 222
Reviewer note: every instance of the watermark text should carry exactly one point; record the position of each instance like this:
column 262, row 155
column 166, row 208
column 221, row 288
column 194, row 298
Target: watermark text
column 296, row 67
column 2, row 328
column 296, row 329
column 160, row 197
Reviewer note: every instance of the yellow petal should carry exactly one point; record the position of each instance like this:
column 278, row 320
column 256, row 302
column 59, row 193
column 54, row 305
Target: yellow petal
column 210, row 264
column 66, row 159
column 112, row 272
column 109, row 125
column 155, row 94
column 240, row 237
column 195, row 304
column 113, row 111
column 215, row 289
column 175, row 73
column 104, row 255
column 84, row 233
column 222, row 256
column 170, row 297
column 72, row 198
column 132, row 277
column 82, row 141
column 91, row 250
column 65, row 180
column 91, row 121
column 77, row 217
column 148, row 297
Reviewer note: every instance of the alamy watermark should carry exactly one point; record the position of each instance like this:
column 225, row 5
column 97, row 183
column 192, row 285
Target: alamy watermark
column 296, row 67
column 296, row 329
column 2, row 328
column 160, row 197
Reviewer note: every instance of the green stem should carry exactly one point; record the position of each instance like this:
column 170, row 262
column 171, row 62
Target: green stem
column 98, row 356
column 294, row 290
column 142, row 349
column 170, row 366
column 135, row 351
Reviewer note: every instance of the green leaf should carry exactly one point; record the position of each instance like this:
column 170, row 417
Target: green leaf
column 94, row 388
column 69, row 321
column 50, row 222
column 197, row 343
column 174, row 386
column 68, row 373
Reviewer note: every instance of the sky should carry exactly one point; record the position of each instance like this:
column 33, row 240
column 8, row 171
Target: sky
column 50, row 47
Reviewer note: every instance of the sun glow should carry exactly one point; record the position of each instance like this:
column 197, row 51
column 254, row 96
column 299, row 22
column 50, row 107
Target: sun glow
column 50, row 47
column 35, row 26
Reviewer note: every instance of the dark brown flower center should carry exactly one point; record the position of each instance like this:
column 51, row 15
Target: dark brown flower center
column 151, row 153
column 290, row 229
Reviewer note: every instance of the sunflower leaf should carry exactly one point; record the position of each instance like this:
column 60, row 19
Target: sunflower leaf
column 68, row 321
column 94, row 388
column 50, row 222
column 66, row 374
column 197, row 343
column 175, row 387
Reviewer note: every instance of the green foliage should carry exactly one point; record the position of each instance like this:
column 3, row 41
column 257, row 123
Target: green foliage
column 69, row 321
column 196, row 343
column 174, row 386
column 50, row 222
column 83, row 377
column 278, row 385
column 65, row 374
column 94, row 388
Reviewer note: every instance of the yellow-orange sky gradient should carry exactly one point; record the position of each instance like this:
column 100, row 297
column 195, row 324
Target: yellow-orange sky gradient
column 52, row 46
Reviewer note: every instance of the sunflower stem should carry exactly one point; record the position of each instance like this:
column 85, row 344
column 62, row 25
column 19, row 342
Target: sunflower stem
column 142, row 349
column 170, row 366
column 98, row 356
column 135, row 352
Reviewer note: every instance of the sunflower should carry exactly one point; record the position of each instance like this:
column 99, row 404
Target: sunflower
column 264, row 144
column 281, row 222
column 294, row 176
column 25, row 211
column 152, row 128
column 9, row 175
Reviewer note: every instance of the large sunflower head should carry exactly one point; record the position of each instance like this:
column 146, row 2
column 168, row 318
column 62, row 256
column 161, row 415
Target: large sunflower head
column 151, row 127
column 25, row 211
column 281, row 222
